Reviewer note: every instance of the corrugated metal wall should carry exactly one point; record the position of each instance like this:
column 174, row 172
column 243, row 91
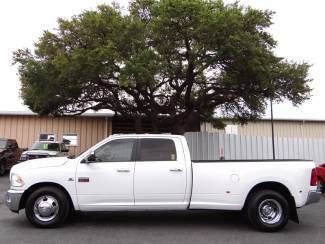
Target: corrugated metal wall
column 211, row 146
column 293, row 128
column 26, row 129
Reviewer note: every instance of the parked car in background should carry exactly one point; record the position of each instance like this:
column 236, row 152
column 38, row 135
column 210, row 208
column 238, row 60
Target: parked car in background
column 155, row 172
column 321, row 176
column 9, row 154
column 45, row 149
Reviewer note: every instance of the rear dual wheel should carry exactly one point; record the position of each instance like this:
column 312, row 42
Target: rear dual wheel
column 268, row 210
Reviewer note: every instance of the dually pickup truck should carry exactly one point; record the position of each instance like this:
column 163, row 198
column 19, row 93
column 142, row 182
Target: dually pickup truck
column 155, row 172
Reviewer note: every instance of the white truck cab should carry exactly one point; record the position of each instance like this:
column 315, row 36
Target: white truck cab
column 155, row 172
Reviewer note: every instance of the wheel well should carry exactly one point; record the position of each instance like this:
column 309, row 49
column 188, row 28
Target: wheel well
column 280, row 188
column 39, row 185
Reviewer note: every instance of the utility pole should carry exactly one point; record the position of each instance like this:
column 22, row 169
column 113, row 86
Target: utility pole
column 272, row 126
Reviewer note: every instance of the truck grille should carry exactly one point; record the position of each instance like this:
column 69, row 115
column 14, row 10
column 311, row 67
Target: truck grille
column 36, row 156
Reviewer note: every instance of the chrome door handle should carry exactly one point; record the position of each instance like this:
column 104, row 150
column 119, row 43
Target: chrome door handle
column 175, row 170
column 123, row 170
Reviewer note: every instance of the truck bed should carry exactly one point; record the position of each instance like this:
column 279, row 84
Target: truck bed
column 225, row 184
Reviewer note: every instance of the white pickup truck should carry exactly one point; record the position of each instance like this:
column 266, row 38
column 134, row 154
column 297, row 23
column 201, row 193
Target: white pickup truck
column 155, row 172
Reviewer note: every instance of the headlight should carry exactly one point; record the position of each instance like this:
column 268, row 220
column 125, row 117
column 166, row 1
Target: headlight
column 23, row 157
column 16, row 181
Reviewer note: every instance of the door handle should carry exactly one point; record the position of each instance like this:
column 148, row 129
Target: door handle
column 123, row 170
column 175, row 170
column 83, row 179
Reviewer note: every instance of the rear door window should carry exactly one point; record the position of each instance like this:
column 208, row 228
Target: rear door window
column 152, row 149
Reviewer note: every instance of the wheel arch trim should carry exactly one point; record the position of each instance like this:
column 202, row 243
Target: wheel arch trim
column 36, row 186
column 280, row 188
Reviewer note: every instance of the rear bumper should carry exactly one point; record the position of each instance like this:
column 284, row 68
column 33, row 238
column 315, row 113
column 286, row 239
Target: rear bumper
column 313, row 197
column 13, row 200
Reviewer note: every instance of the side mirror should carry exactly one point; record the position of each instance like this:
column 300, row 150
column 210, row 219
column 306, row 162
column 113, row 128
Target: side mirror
column 91, row 158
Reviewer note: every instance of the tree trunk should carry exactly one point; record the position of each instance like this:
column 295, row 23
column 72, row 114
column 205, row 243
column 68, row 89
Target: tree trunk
column 177, row 127
column 154, row 126
column 185, row 123
column 138, row 125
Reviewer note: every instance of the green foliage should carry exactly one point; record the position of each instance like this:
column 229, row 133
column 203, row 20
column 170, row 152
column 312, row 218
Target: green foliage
column 177, row 59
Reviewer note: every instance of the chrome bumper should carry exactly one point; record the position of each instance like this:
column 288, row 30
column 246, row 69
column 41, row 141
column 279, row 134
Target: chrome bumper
column 13, row 200
column 313, row 197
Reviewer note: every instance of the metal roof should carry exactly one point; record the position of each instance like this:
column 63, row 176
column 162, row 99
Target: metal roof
column 292, row 120
column 99, row 113
column 302, row 120
column 110, row 113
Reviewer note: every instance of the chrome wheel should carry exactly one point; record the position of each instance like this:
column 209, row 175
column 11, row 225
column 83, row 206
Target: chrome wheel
column 46, row 208
column 270, row 211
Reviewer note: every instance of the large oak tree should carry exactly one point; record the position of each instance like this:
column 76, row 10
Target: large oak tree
column 170, row 61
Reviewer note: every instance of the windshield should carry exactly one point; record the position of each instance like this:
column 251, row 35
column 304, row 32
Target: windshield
column 48, row 146
column 3, row 143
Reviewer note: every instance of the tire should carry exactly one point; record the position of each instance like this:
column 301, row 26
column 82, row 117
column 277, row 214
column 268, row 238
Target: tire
column 268, row 210
column 2, row 168
column 322, row 187
column 47, row 207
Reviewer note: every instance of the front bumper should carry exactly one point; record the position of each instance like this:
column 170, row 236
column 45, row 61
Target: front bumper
column 13, row 200
column 313, row 197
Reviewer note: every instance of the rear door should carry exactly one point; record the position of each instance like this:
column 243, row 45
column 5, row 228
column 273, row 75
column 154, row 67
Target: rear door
column 160, row 174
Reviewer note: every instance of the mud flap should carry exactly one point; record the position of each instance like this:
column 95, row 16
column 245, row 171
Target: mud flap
column 293, row 211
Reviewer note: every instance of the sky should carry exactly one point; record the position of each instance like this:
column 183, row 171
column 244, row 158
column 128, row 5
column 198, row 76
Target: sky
column 298, row 27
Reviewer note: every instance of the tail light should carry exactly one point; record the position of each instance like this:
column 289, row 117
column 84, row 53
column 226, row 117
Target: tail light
column 313, row 178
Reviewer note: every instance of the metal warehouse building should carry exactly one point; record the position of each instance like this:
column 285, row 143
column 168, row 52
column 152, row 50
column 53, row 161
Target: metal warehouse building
column 84, row 131
column 297, row 128
column 293, row 139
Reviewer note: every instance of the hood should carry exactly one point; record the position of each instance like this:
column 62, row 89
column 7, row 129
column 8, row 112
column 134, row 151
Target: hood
column 40, row 152
column 40, row 163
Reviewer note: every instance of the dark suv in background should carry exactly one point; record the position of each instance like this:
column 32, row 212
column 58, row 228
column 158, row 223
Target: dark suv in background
column 9, row 154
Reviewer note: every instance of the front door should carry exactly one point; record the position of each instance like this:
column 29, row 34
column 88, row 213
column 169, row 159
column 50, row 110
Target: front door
column 107, row 182
column 160, row 174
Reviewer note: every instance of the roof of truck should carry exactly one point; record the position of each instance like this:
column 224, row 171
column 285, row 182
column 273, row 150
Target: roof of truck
column 147, row 135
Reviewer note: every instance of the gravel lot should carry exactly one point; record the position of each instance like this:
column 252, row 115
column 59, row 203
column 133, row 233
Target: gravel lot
column 197, row 227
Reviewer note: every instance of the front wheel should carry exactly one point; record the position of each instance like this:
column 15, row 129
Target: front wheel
column 268, row 210
column 47, row 207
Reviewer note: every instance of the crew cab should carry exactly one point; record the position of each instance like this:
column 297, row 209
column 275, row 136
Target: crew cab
column 44, row 149
column 9, row 154
column 155, row 172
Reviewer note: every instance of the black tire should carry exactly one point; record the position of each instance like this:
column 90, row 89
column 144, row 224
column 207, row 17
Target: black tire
column 322, row 187
column 268, row 210
column 2, row 168
column 59, row 204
